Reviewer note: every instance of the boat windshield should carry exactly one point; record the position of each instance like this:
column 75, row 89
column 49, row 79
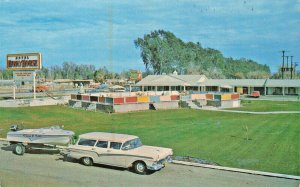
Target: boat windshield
column 132, row 144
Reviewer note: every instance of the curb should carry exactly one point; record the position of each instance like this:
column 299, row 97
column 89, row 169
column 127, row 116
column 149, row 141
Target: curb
column 269, row 174
column 251, row 112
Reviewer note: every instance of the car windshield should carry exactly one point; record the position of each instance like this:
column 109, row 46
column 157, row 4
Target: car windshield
column 132, row 144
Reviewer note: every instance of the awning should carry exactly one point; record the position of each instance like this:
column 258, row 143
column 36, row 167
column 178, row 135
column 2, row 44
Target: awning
column 186, row 84
column 117, row 87
column 226, row 86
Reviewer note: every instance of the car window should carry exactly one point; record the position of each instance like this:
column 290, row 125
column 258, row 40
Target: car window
column 132, row 144
column 115, row 145
column 86, row 142
column 102, row 144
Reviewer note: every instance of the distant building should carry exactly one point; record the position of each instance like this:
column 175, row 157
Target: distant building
column 71, row 82
column 115, row 81
column 201, row 83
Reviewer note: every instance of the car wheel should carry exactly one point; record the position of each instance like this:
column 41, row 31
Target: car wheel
column 87, row 161
column 19, row 149
column 140, row 167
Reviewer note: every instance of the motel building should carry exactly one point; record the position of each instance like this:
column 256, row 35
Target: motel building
column 200, row 83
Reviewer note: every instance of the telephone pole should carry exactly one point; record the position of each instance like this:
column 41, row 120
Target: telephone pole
column 291, row 67
column 283, row 51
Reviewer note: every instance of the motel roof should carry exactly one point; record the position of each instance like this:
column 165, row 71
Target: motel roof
column 201, row 80
column 171, row 80
column 283, row 83
column 234, row 82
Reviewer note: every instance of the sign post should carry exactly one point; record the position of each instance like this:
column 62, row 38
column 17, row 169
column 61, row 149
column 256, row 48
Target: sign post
column 34, row 89
column 14, row 91
column 24, row 66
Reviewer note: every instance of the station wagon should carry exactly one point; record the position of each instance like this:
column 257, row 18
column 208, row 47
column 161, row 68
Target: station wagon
column 119, row 150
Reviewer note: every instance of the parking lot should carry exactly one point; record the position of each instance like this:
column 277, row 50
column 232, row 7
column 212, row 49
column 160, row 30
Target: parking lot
column 52, row 169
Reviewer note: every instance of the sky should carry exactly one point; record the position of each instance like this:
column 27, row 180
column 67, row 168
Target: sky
column 101, row 32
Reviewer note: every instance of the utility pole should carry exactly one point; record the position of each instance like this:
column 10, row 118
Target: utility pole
column 282, row 63
column 291, row 67
column 287, row 64
column 295, row 65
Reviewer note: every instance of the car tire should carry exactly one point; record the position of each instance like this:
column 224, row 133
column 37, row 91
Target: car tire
column 87, row 161
column 140, row 168
column 19, row 149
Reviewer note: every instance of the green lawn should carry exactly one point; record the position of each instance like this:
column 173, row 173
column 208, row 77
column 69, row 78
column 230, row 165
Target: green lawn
column 273, row 145
column 265, row 106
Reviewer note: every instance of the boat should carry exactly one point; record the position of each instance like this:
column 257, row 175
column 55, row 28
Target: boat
column 51, row 135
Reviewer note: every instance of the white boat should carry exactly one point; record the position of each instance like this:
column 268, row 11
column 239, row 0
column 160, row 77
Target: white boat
column 51, row 136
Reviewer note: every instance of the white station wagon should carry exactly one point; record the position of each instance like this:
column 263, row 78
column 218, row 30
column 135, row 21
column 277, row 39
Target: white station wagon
column 119, row 150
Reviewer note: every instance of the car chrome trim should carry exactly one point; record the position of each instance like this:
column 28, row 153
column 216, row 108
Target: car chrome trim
column 78, row 150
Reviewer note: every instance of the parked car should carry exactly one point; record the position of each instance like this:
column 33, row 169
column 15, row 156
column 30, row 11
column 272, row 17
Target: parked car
column 117, row 88
column 255, row 94
column 42, row 88
column 94, row 85
column 119, row 150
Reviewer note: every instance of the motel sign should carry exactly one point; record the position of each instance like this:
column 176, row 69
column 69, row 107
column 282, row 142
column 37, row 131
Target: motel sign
column 25, row 61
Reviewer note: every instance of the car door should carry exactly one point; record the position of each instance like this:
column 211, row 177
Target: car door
column 86, row 147
column 111, row 155
column 101, row 149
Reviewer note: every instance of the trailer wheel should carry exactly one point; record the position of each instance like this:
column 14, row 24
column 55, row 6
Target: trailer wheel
column 19, row 149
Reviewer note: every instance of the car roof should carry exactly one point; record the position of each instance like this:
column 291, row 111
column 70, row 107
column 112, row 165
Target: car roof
column 108, row 136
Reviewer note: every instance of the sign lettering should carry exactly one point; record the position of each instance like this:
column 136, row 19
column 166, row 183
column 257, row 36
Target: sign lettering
column 27, row 61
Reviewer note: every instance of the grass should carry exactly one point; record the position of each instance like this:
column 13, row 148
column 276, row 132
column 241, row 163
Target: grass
column 265, row 106
column 219, row 137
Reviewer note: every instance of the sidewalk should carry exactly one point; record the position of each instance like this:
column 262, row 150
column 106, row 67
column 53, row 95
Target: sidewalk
column 247, row 112
column 250, row 112
column 238, row 170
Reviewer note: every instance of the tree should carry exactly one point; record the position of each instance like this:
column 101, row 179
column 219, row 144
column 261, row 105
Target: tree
column 257, row 75
column 101, row 74
column 56, row 72
column 214, row 73
column 239, row 75
column 6, row 74
column 159, row 51
column 1, row 74
column 163, row 52
column 68, row 70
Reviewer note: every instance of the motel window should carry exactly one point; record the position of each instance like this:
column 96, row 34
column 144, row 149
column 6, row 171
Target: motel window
column 212, row 88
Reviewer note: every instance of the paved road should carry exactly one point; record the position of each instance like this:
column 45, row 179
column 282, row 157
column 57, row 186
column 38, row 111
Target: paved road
column 46, row 169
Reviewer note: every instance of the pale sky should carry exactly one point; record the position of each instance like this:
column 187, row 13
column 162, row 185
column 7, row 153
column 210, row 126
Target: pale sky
column 94, row 32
